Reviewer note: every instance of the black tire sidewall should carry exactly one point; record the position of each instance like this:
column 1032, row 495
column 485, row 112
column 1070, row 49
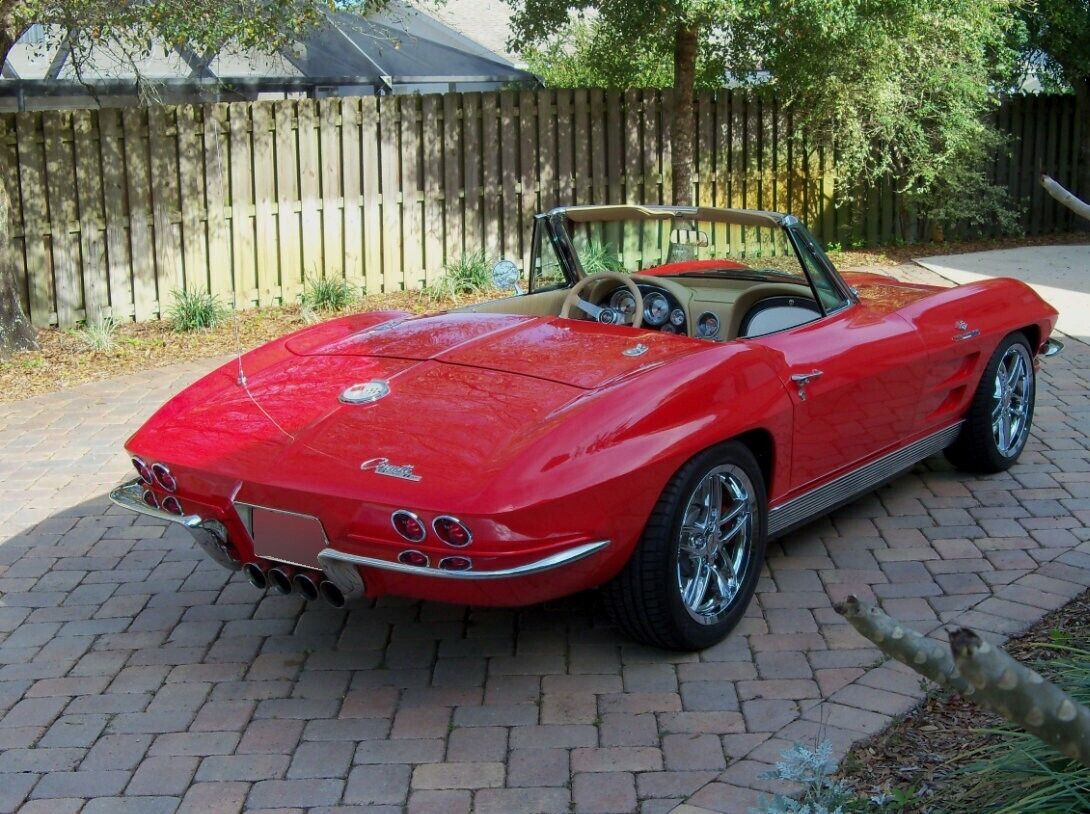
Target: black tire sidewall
column 694, row 634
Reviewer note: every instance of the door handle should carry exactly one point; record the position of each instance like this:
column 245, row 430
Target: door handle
column 803, row 379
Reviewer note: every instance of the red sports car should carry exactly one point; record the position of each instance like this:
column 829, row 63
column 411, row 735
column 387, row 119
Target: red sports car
column 674, row 387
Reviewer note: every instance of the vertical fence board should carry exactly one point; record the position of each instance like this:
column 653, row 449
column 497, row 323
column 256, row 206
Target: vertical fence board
column 141, row 240
column 372, row 195
column 166, row 202
column 527, row 171
column 546, row 149
column 217, row 194
column 471, row 178
column 352, row 188
column 416, row 273
column 310, row 188
column 32, row 184
column 191, row 188
column 244, row 265
column 491, row 188
column 332, row 226
column 453, row 205
column 433, row 183
column 269, row 291
column 61, row 181
column 114, row 199
column 92, row 218
column 287, row 195
column 392, row 268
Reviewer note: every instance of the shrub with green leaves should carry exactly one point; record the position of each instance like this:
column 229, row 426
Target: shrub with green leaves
column 98, row 337
column 328, row 293
column 470, row 274
column 196, row 310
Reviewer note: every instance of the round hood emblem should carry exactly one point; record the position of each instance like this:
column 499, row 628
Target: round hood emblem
column 365, row 393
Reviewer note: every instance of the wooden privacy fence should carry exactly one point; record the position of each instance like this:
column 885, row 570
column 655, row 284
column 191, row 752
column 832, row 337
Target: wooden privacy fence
column 117, row 209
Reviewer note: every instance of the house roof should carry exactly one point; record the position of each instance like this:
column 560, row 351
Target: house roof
column 400, row 47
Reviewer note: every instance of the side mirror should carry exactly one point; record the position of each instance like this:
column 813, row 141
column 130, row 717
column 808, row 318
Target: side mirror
column 505, row 276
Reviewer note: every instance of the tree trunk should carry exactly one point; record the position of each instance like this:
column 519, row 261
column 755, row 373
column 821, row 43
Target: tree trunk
column 16, row 332
column 1082, row 115
column 683, row 125
column 1066, row 197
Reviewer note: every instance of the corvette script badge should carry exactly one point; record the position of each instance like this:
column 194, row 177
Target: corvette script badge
column 382, row 466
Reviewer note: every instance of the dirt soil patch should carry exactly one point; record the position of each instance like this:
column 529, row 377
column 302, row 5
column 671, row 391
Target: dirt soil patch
column 923, row 751
column 66, row 360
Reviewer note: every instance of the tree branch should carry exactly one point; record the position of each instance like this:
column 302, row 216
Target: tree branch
column 1068, row 199
column 1022, row 696
column 926, row 656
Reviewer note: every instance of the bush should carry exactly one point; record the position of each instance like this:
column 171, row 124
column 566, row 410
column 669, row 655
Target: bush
column 98, row 337
column 196, row 310
column 469, row 274
column 328, row 294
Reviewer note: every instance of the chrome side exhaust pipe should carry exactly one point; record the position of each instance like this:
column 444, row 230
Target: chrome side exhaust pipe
column 255, row 575
column 332, row 594
column 280, row 578
column 305, row 585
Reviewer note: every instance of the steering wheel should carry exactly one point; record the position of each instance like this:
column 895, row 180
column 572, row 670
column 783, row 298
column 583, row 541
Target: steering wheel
column 607, row 316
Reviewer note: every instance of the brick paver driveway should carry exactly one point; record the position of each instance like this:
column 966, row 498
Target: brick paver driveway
column 135, row 675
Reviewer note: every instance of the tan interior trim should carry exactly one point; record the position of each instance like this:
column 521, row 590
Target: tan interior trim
column 616, row 212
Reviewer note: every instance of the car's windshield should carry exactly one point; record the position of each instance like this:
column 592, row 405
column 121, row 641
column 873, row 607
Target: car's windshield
column 685, row 245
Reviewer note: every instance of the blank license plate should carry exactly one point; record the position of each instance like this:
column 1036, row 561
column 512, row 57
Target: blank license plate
column 288, row 537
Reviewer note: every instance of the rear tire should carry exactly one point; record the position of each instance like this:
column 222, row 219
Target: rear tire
column 695, row 568
column 1001, row 413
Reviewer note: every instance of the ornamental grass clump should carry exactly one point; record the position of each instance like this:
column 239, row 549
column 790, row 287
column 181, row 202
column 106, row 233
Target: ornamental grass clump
column 328, row 294
column 196, row 311
column 98, row 337
column 470, row 274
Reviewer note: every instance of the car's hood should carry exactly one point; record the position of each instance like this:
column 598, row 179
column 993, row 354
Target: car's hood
column 572, row 352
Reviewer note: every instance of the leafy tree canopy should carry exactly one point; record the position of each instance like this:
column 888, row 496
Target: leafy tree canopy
column 1059, row 41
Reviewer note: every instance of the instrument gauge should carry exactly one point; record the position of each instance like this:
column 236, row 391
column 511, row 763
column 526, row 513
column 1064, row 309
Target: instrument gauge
column 668, row 329
column 623, row 301
column 677, row 317
column 656, row 309
column 707, row 325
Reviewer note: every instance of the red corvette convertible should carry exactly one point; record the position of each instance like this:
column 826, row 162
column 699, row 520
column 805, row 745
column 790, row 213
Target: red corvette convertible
column 674, row 387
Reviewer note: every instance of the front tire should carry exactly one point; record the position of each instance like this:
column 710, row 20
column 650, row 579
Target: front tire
column 1001, row 414
column 694, row 570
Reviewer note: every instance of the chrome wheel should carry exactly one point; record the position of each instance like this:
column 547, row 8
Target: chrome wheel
column 1013, row 397
column 715, row 542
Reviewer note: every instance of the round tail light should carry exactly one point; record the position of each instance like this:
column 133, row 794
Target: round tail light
column 452, row 531
column 143, row 470
column 172, row 504
column 408, row 525
column 164, row 478
column 456, row 564
column 151, row 499
column 414, row 558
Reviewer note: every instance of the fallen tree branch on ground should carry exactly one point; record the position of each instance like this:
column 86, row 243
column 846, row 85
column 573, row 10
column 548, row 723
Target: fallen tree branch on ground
column 926, row 656
column 1065, row 197
column 1023, row 696
column 984, row 672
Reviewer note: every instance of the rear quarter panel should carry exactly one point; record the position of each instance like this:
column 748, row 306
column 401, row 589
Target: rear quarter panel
column 989, row 310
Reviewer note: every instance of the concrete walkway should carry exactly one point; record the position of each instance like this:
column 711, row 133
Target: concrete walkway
column 135, row 675
column 1060, row 274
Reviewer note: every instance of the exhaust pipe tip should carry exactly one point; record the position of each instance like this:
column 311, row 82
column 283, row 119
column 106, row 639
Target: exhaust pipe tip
column 305, row 586
column 332, row 594
column 280, row 579
column 255, row 575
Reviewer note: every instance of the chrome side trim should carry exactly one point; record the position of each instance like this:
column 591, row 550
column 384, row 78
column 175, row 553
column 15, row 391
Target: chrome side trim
column 1051, row 348
column 561, row 558
column 130, row 495
column 857, row 482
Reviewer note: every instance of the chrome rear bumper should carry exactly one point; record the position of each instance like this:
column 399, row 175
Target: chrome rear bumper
column 1051, row 348
column 210, row 535
column 557, row 560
